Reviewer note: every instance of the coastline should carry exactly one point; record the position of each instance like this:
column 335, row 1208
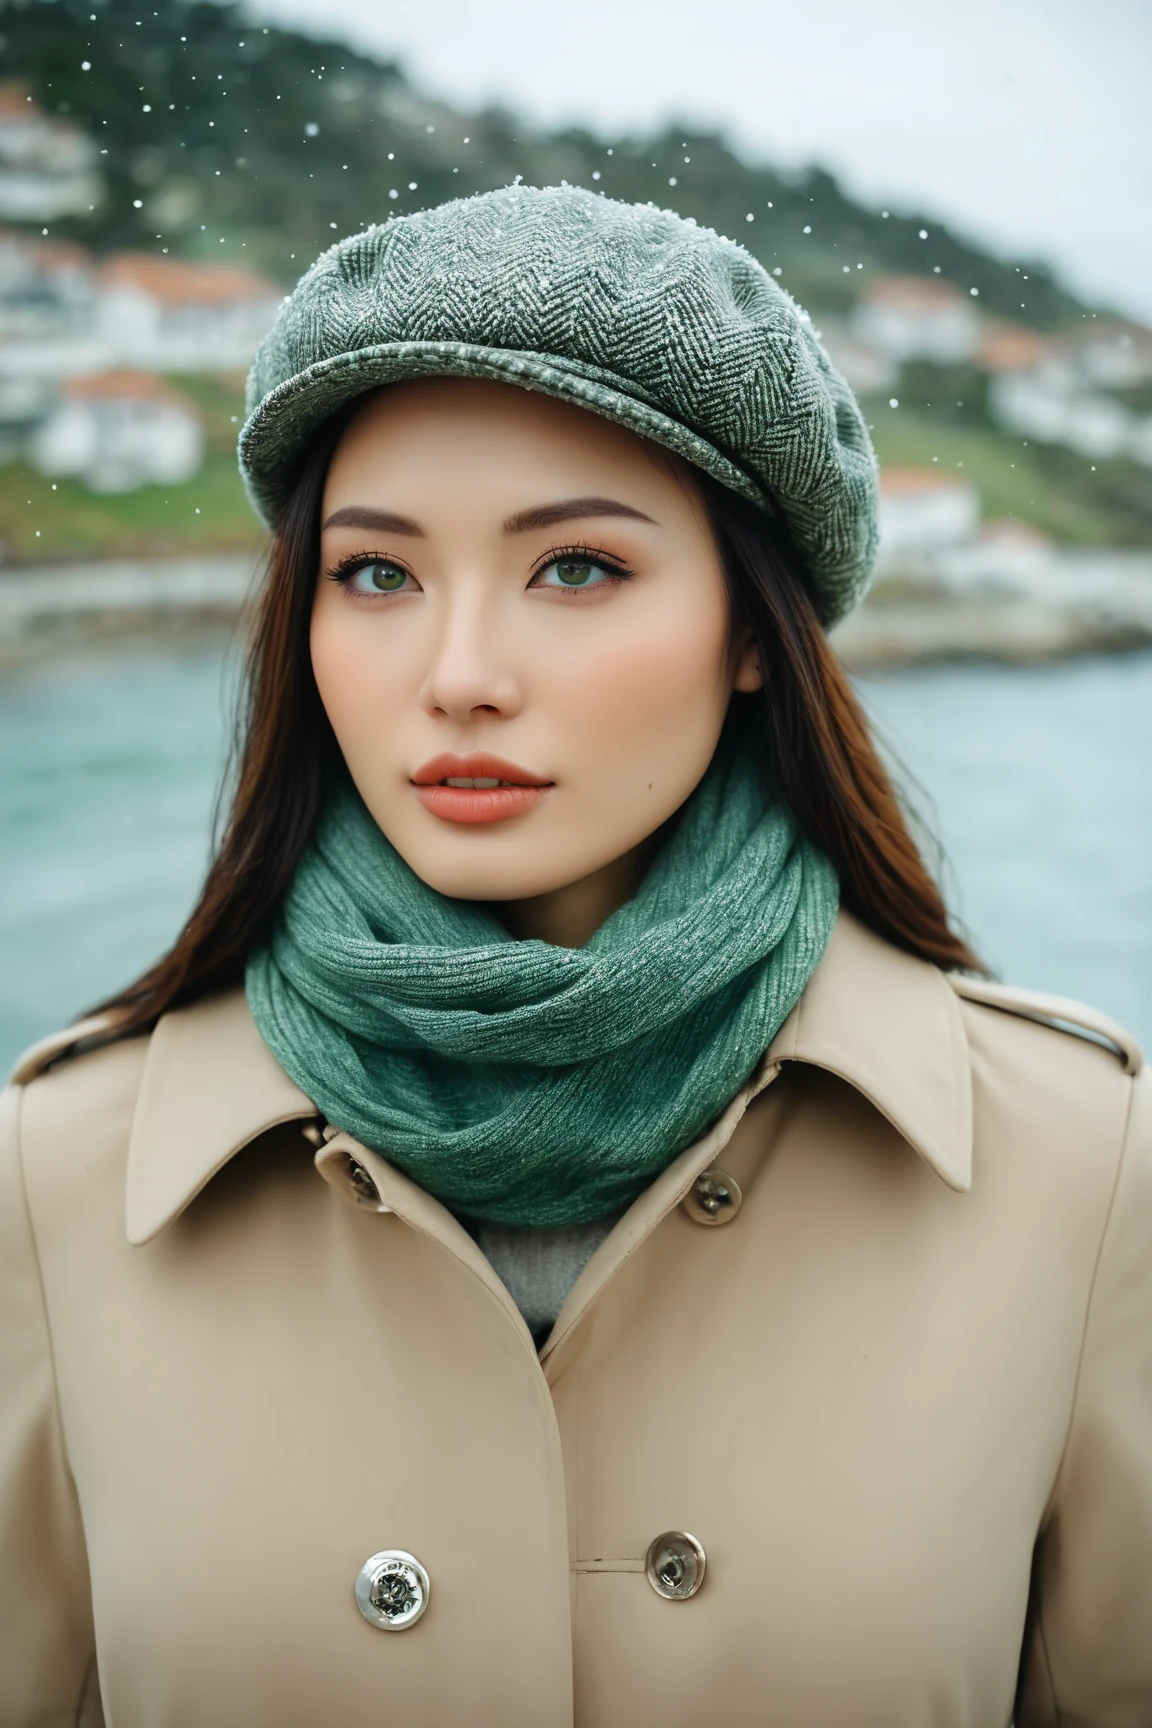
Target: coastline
column 1016, row 632
column 1076, row 605
column 54, row 608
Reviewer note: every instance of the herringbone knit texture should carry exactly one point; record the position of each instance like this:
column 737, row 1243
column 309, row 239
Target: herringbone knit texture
column 523, row 1083
column 632, row 312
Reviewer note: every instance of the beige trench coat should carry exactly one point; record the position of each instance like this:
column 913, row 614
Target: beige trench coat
column 902, row 1396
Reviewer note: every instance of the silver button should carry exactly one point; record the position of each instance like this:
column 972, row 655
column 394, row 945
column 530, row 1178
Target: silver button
column 714, row 1198
column 675, row 1565
column 392, row 1590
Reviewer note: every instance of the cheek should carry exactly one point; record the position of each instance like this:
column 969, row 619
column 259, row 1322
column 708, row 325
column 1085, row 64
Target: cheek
column 667, row 677
column 352, row 666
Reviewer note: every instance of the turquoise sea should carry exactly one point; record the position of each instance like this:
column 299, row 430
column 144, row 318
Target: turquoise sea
column 1036, row 780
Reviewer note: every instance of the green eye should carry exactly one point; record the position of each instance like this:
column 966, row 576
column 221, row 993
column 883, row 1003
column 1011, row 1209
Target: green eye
column 378, row 579
column 573, row 572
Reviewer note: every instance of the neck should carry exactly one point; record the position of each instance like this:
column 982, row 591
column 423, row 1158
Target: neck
column 568, row 916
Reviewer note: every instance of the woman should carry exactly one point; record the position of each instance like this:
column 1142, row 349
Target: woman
column 567, row 1199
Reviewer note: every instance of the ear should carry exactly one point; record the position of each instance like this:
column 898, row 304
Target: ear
column 748, row 672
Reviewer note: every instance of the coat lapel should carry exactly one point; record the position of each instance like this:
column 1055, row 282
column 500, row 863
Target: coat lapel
column 210, row 1086
column 891, row 1026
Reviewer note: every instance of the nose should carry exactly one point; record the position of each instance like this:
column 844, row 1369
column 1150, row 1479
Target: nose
column 471, row 668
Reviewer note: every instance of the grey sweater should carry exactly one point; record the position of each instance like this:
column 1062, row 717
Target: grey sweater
column 539, row 1267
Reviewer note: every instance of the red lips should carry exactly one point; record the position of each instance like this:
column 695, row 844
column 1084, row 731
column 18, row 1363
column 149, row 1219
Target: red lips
column 469, row 804
column 479, row 766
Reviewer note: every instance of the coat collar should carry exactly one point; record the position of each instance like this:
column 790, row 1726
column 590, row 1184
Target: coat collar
column 890, row 1025
column 210, row 1087
column 884, row 1022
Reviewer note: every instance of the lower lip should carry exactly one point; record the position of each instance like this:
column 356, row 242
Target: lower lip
column 483, row 804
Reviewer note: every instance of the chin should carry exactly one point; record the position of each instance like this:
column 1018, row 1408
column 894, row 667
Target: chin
column 489, row 878
column 495, row 877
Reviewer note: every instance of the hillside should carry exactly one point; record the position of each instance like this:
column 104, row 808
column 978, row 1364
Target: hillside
column 229, row 135
column 227, row 141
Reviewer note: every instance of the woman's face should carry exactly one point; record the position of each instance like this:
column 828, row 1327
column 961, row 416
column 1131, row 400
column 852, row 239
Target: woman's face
column 516, row 591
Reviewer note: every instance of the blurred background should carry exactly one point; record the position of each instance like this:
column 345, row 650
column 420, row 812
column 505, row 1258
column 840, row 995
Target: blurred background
column 959, row 199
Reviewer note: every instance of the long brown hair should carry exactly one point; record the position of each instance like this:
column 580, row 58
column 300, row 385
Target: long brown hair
column 811, row 729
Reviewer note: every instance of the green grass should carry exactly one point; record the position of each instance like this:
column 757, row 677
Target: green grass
column 42, row 520
column 1055, row 491
column 219, row 401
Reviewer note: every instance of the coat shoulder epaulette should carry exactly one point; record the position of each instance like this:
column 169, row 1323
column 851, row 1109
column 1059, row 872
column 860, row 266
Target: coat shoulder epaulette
column 39, row 1057
column 1059, row 1012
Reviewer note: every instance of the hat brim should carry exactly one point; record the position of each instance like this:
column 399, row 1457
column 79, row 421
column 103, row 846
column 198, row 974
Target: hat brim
column 274, row 437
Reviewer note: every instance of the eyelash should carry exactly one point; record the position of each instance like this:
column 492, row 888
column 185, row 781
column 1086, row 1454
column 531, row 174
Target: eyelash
column 612, row 567
column 343, row 572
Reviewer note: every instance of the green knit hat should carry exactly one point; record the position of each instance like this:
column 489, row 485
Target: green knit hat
column 636, row 313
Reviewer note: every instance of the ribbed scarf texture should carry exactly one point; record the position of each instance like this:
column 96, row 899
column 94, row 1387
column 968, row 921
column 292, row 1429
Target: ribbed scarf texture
column 527, row 1084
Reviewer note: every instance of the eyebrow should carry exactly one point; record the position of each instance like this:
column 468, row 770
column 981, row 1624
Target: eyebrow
column 570, row 510
column 540, row 516
column 381, row 521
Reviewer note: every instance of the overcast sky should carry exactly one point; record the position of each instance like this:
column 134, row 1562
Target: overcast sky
column 1026, row 123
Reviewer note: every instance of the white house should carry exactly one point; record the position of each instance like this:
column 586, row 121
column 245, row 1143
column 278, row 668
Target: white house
column 1056, row 391
column 1115, row 354
column 63, row 314
column 917, row 318
column 1140, row 441
column 868, row 369
column 47, row 310
column 1042, row 405
column 24, row 401
column 119, row 430
column 168, row 315
column 1008, row 557
column 46, row 289
column 47, row 165
column 924, row 511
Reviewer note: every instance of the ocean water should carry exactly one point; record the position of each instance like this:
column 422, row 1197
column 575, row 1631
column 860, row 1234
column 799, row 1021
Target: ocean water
column 1038, row 782
column 108, row 765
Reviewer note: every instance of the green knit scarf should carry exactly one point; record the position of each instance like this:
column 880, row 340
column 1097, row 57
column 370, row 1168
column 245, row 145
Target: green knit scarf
column 528, row 1084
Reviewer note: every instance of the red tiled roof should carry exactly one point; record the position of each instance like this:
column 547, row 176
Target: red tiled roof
column 121, row 385
column 900, row 482
column 59, row 254
column 177, row 282
column 15, row 101
column 1008, row 347
column 918, row 293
